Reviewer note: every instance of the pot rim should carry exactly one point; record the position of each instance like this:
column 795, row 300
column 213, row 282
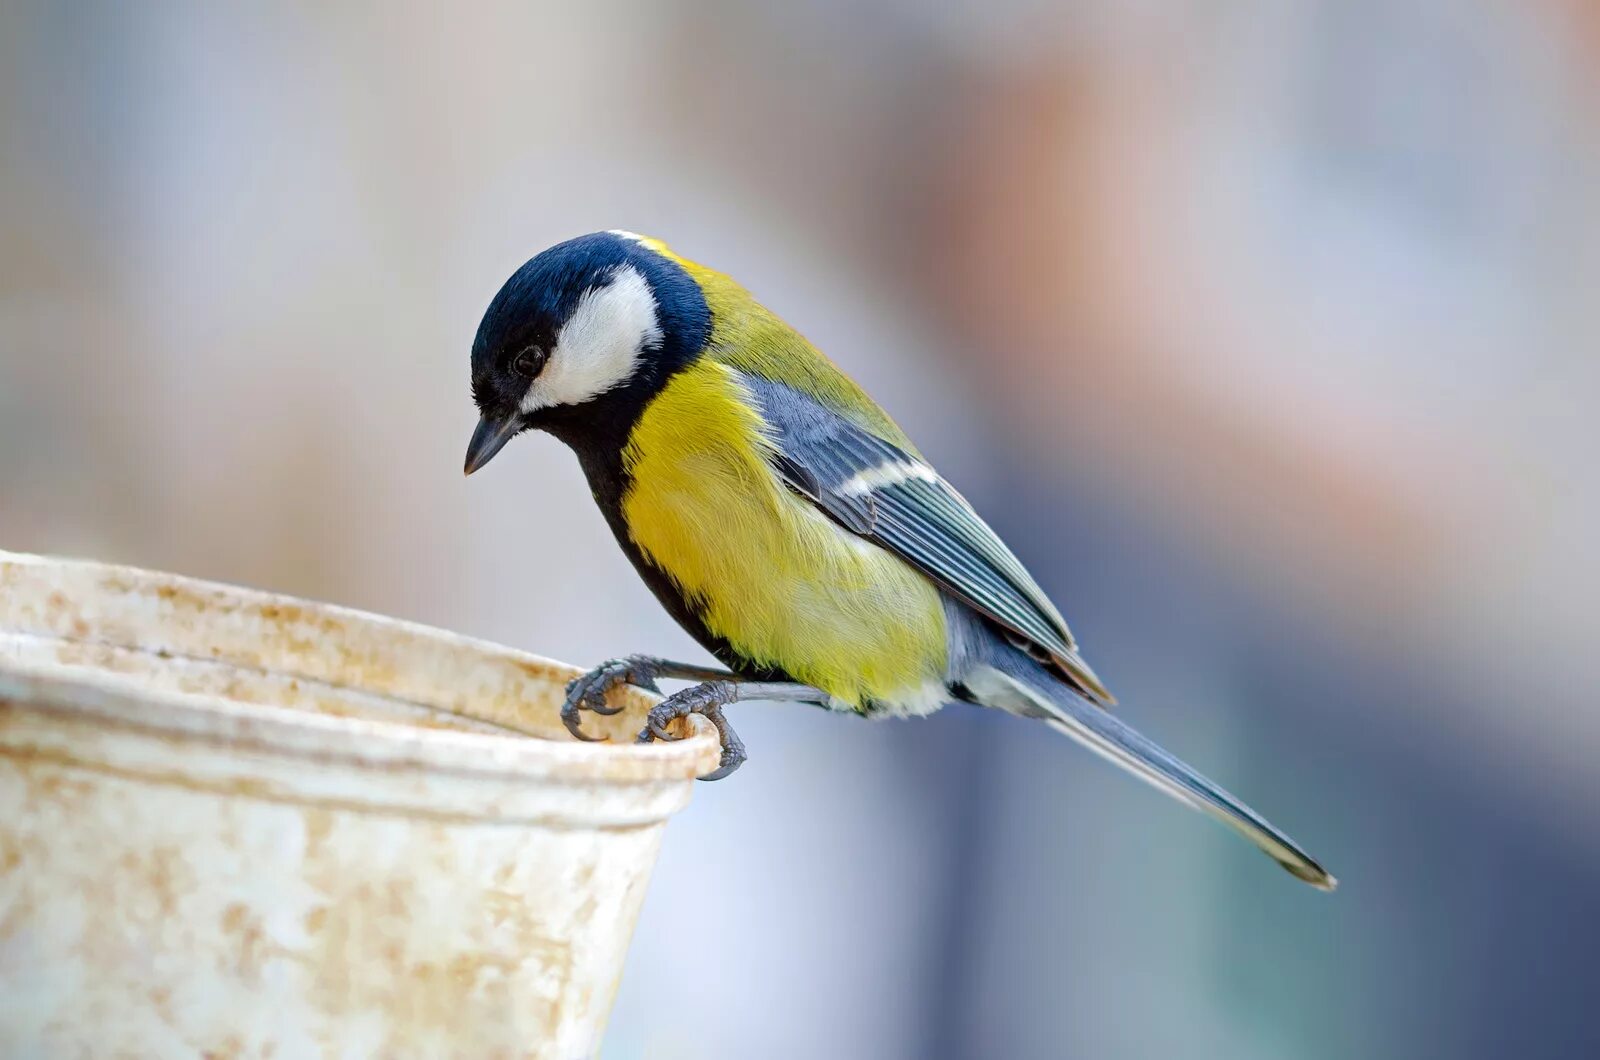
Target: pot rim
column 107, row 698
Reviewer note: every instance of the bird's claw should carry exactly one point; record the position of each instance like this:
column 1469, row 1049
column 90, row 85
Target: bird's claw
column 706, row 700
column 588, row 691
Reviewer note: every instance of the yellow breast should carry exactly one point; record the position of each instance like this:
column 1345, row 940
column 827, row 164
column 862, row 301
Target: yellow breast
column 768, row 571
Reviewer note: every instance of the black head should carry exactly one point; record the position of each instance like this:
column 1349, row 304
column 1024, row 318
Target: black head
column 579, row 335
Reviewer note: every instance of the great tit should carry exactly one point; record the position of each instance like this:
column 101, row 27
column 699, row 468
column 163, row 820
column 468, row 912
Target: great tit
column 782, row 517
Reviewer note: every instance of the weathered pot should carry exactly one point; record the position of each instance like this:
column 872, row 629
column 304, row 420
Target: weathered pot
column 237, row 824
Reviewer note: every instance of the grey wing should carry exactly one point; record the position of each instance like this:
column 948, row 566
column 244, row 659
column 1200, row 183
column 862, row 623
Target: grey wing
column 893, row 498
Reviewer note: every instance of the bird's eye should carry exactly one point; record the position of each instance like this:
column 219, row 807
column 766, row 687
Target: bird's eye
column 528, row 362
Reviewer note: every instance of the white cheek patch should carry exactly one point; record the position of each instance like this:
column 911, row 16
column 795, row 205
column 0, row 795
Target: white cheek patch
column 599, row 346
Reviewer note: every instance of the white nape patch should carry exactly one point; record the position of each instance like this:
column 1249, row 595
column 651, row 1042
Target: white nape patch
column 874, row 478
column 599, row 346
column 623, row 233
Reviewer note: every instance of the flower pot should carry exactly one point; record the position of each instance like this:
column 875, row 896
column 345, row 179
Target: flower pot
column 238, row 824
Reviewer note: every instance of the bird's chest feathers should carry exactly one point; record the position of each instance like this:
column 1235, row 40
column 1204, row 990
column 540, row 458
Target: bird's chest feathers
column 764, row 568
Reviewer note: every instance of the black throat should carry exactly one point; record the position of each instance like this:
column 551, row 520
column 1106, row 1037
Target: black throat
column 598, row 429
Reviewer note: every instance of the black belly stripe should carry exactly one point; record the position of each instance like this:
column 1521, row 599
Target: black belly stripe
column 608, row 482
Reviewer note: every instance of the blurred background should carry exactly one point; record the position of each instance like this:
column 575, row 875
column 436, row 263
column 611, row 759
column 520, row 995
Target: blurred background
column 1266, row 334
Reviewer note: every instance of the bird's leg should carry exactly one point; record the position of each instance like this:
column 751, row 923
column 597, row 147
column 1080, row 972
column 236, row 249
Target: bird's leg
column 588, row 692
column 709, row 698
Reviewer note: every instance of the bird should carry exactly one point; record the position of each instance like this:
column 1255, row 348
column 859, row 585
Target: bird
column 783, row 519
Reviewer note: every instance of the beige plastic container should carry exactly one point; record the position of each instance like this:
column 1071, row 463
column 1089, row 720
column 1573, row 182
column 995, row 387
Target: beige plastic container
column 236, row 824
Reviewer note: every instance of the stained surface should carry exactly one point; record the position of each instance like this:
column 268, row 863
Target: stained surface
column 237, row 825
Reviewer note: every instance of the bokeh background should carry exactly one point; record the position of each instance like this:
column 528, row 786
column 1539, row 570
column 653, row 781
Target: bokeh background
column 1266, row 334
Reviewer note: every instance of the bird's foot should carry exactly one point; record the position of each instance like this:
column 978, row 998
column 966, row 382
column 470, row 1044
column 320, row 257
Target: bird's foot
column 707, row 700
column 588, row 692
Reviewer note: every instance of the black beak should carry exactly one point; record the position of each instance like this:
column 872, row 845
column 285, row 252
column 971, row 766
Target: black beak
column 491, row 436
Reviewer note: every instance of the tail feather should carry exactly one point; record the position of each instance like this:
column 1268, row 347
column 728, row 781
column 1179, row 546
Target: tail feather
column 1102, row 733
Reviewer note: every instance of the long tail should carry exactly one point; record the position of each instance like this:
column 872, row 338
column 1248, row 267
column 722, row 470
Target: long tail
column 1101, row 732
